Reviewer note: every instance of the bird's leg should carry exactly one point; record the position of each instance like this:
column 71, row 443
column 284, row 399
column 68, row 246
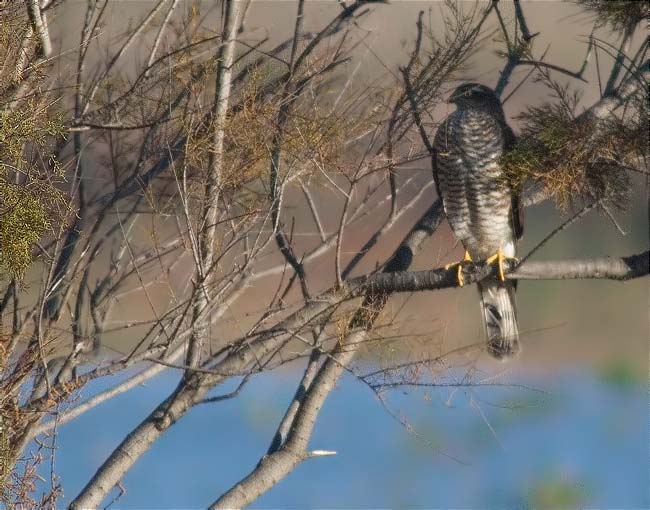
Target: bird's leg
column 459, row 274
column 499, row 257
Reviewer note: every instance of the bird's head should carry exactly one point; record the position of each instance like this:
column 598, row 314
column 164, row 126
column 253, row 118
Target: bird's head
column 472, row 95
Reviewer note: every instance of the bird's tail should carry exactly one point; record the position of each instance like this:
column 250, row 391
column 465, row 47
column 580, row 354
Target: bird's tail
column 500, row 317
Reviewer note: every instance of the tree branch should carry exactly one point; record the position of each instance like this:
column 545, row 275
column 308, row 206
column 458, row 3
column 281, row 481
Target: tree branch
column 39, row 26
column 611, row 268
column 281, row 460
column 630, row 86
column 209, row 218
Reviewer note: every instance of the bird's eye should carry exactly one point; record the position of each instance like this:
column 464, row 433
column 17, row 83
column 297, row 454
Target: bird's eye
column 468, row 93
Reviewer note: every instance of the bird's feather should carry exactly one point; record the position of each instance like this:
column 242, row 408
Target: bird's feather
column 499, row 317
column 483, row 209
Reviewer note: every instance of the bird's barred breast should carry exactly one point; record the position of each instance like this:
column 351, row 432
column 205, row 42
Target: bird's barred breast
column 476, row 198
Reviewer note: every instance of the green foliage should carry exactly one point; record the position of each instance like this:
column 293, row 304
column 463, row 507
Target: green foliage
column 557, row 493
column 618, row 14
column 29, row 199
column 577, row 160
column 24, row 220
column 621, row 374
column 29, row 122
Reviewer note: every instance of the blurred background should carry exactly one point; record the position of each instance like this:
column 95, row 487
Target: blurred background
column 564, row 425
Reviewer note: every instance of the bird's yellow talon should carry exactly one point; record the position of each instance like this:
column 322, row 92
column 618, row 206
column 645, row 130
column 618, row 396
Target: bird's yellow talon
column 459, row 270
column 499, row 257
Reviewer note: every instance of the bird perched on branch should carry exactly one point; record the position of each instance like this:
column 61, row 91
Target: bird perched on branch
column 481, row 206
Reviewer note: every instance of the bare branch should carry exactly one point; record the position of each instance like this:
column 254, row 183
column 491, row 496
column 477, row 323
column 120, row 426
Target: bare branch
column 284, row 429
column 611, row 268
column 582, row 212
column 275, row 466
column 630, row 86
column 304, row 410
column 122, row 50
column 161, row 31
column 39, row 26
column 210, row 213
column 553, row 67
column 620, row 59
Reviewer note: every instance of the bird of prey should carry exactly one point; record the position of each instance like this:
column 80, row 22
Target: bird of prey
column 482, row 208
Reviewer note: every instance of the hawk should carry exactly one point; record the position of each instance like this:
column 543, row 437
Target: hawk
column 481, row 206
